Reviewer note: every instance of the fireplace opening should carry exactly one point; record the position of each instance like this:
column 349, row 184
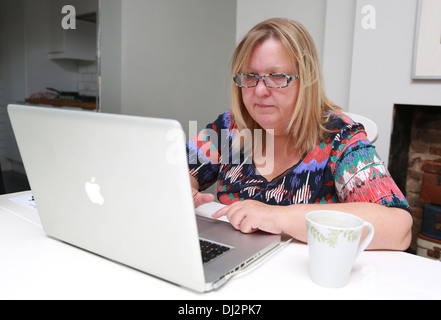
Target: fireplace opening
column 415, row 141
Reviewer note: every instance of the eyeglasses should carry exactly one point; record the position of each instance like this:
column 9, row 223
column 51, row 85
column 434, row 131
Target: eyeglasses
column 272, row 80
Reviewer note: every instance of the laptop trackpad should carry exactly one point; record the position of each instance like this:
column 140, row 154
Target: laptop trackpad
column 224, row 232
column 210, row 227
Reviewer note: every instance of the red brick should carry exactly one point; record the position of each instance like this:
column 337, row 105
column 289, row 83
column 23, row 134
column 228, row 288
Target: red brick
column 435, row 151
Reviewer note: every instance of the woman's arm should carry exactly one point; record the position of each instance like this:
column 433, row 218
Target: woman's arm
column 392, row 225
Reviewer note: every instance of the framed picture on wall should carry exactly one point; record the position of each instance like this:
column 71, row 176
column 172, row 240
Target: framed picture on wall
column 427, row 47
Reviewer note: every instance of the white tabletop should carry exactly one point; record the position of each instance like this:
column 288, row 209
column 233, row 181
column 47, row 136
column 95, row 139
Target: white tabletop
column 34, row 266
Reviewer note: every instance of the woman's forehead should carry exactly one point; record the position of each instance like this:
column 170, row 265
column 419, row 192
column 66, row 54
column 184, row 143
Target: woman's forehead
column 270, row 56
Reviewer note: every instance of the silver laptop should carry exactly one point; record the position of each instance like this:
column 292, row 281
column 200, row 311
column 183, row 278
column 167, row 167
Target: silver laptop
column 118, row 186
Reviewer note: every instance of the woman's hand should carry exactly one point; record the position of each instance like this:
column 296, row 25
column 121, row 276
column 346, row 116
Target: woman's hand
column 201, row 198
column 198, row 197
column 251, row 215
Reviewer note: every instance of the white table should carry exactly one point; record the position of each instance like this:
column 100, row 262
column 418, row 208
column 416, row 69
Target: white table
column 34, row 266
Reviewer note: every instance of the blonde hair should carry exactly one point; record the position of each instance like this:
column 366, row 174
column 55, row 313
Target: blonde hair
column 307, row 123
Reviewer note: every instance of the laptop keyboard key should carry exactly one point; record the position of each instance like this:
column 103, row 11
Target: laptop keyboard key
column 211, row 250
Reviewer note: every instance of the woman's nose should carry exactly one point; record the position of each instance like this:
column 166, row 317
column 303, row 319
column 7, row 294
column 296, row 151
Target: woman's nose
column 261, row 89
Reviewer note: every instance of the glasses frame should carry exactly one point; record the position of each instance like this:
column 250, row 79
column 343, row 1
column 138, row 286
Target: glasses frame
column 288, row 79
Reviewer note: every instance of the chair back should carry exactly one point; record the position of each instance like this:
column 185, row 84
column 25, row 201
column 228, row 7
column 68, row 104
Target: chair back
column 370, row 126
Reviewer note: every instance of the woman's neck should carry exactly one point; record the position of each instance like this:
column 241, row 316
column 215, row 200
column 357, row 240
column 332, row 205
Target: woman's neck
column 276, row 157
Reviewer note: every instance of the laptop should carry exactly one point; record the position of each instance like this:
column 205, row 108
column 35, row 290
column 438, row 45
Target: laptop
column 118, row 186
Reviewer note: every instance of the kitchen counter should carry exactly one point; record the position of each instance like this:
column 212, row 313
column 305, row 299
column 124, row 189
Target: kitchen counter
column 64, row 103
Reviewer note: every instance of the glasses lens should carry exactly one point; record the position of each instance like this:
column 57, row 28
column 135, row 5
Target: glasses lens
column 276, row 80
column 245, row 80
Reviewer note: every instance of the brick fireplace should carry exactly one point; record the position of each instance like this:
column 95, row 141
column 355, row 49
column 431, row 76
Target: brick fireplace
column 416, row 139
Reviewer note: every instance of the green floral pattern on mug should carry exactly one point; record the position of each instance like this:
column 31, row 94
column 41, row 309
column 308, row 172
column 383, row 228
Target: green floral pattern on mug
column 332, row 238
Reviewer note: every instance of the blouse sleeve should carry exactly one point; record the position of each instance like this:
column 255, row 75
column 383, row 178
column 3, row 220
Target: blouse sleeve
column 203, row 152
column 361, row 176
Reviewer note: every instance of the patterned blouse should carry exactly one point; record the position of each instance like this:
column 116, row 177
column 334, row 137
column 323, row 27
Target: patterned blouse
column 343, row 168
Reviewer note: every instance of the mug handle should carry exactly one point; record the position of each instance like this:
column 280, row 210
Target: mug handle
column 366, row 240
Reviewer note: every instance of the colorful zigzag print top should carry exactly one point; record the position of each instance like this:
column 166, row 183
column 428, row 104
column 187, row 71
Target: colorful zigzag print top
column 343, row 168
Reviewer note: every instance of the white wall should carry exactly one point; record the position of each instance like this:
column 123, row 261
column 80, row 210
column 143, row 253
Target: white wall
column 109, row 55
column 338, row 44
column 310, row 13
column 382, row 67
column 175, row 58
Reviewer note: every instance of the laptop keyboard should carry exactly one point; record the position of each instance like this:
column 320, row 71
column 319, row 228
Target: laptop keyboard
column 211, row 250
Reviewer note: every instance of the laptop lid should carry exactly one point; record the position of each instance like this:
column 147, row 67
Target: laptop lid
column 94, row 188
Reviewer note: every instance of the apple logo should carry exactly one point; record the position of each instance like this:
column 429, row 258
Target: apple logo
column 93, row 191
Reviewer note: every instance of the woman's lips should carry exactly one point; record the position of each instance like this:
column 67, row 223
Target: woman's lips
column 264, row 106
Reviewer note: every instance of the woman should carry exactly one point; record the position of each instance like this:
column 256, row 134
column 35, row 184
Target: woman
column 313, row 156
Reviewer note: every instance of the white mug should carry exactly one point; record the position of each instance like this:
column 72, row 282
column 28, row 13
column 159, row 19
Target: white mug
column 334, row 243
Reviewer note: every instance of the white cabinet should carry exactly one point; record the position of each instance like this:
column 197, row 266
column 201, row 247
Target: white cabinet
column 77, row 44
